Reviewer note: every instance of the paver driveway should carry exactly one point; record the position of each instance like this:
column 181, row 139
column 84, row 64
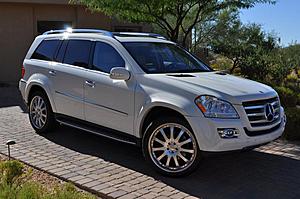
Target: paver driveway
column 119, row 170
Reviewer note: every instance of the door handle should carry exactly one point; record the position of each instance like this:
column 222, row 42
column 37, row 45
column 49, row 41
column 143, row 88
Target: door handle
column 90, row 83
column 52, row 72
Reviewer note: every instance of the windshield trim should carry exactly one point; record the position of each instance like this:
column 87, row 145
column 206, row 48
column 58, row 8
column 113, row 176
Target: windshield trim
column 162, row 72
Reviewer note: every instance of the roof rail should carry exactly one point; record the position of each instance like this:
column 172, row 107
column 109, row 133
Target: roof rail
column 70, row 30
column 138, row 34
column 105, row 32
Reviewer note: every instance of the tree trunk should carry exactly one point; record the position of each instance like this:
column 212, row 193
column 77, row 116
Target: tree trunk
column 234, row 66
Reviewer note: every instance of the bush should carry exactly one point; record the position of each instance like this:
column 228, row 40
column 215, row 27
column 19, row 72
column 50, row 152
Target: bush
column 69, row 191
column 30, row 191
column 288, row 98
column 10, row 172
column 292, row 131
column 15, row 185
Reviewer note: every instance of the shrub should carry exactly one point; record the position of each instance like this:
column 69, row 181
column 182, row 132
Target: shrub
column 30, row 190
column 69, row 191
column 288, row 98
column 292, row 131
column 7, row 191
column 14, row 184
column 10, row 172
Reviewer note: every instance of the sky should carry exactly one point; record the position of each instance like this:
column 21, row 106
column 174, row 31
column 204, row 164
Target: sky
column 282, row 18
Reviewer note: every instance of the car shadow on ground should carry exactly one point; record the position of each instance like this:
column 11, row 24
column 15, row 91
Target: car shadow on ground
column 238, row 175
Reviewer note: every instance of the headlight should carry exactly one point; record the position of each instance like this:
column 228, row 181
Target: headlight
column 215, row 108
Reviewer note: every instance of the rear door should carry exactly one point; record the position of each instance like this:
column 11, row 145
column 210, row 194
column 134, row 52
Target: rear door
column 68, row 76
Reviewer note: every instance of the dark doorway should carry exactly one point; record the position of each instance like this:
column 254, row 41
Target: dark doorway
column 43, row 26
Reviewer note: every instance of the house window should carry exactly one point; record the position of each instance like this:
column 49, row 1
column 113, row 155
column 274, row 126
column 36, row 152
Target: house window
column 43, row 26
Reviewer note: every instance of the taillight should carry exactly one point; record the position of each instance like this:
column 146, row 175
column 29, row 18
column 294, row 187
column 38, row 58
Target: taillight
column 22, row 71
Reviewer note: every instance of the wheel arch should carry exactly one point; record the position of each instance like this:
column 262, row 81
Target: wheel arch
column 39, row 85
column 158, row 110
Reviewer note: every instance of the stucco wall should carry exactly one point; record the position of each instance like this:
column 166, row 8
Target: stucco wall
column 18, row 28
column 16, row 35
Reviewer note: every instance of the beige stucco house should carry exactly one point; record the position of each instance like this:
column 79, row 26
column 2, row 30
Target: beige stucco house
column 22, row 20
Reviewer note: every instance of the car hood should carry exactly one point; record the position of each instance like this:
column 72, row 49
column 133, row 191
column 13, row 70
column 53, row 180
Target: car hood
column 235, row 89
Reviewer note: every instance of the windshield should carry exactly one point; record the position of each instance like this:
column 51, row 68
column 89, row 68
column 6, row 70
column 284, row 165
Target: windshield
column 164, row 58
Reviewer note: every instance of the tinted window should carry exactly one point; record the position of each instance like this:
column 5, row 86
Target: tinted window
column 61, row 51
column 78, row 53
column 106, row 57
column 164, row 58
column 46, row 50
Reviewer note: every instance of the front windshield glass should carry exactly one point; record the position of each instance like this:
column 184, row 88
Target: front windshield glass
column 164, row 58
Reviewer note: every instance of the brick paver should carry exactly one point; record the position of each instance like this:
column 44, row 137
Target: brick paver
column 117, row 170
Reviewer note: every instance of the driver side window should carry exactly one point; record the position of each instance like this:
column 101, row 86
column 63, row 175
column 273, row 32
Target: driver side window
column 106, row 58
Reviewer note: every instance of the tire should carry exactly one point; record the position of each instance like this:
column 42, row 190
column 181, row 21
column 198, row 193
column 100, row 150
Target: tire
column 41, row 115
column 169, row 155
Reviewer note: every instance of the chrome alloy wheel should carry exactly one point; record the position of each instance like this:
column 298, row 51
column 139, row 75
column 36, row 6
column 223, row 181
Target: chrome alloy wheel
column 38, row 112
column 172, row 147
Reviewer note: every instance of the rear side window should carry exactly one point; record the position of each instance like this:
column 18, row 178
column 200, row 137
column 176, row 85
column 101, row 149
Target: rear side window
column 46, row 50
column 106, row 57
column 61, row 52
column 78, row 53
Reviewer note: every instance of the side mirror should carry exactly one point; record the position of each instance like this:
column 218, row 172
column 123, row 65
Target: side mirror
column 119, row 73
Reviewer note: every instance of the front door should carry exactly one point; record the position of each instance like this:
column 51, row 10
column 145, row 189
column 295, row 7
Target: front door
column 108, row 102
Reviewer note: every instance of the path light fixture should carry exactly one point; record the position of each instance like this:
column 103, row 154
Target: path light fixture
column 8, row 143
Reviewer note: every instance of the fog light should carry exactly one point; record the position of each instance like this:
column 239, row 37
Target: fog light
column 228, row 133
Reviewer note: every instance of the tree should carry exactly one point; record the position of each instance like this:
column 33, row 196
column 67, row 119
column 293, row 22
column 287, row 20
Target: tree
column 250, row 49
column 174, row 17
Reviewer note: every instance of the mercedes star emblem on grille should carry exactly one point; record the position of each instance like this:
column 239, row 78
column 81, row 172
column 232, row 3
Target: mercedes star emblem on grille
column 269, row 112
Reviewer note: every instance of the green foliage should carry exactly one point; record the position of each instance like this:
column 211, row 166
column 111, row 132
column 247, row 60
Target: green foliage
column 288, row 98
column 30, row 191
column 293, row 125
column 10, row 172
column 248, row 46
column 68, row 191
column 173, row 17
column 14, row 186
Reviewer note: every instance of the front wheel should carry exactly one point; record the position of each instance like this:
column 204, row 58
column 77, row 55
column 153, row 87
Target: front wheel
column 170, row 146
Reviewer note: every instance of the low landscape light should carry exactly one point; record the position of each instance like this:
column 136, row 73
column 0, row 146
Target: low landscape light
column 9, row 143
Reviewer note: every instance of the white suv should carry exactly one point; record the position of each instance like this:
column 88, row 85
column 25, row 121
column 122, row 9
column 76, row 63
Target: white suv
column 143, row 89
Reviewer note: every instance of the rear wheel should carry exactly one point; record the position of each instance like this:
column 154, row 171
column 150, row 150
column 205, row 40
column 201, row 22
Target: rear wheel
column 40, row 113
column 170, row 146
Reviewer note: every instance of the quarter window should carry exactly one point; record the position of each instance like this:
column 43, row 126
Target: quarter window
column 106, row 57
column 78, row 53
column 46, row 50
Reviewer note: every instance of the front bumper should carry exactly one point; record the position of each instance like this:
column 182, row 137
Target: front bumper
column 208, row 138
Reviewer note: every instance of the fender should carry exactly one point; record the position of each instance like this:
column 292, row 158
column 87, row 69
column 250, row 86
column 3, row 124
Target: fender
column 44, row 82
column 147, row 108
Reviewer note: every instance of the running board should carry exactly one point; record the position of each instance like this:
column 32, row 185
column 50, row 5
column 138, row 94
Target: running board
column 98, row 130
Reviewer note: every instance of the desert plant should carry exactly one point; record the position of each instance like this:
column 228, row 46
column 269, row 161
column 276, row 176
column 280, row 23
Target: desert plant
column 10, row 172
column 69, row 191
column 31, row 190
column 15, row 184
column 293, row 125
column 287, row 96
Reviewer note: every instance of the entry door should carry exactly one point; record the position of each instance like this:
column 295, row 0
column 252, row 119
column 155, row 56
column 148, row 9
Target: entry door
column 69, row 76
column 108, row 102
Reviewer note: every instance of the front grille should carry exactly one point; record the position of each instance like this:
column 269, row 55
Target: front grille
column 256, row 112
column 261, row 132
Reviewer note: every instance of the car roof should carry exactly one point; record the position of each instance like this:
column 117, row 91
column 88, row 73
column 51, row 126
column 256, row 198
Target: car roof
column 101, row 34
